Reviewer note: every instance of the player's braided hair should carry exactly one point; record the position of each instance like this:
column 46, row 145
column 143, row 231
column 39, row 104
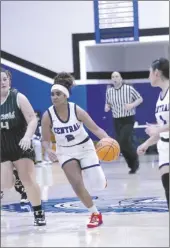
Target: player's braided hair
column 162, row 65
column 65, row 79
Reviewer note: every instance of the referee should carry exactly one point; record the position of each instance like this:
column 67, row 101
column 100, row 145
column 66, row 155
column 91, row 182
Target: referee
column 122, row 100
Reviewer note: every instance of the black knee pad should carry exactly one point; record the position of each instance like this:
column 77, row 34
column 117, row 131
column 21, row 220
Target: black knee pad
column 165, row 182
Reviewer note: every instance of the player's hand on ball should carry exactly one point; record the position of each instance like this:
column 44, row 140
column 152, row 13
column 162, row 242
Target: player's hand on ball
column 52, row 155
column 142, row 149
column 25, row 143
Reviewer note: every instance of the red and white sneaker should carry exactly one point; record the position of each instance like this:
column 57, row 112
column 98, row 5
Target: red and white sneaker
column 95, row 220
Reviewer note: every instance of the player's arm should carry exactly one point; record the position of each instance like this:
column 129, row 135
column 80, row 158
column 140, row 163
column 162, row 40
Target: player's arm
column 154, row 130
column 28, row 113
column 84, row 117
column 149, row 142
column 152, row 140
column 46, row 130
column 164, row 128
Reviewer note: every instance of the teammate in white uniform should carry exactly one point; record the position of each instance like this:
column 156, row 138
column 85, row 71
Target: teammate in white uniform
column 159, row 133
column 74, row 149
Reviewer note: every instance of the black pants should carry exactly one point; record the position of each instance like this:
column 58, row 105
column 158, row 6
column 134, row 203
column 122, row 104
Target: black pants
column 124, row 136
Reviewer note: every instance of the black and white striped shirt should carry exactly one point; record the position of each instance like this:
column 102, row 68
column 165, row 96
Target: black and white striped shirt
column 117, row 98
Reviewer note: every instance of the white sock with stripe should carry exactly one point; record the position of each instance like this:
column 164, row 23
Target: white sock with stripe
column 93, row 209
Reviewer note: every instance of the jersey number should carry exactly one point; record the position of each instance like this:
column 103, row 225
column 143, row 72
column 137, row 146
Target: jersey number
column 69, row 137
column 4, row 125
column 164, row 121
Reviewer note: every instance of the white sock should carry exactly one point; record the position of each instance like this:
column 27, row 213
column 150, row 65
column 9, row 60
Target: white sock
column 93, row 209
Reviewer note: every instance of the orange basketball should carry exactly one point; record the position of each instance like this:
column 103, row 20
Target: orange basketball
column 108, row 149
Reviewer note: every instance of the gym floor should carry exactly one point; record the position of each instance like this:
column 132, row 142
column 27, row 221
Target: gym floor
column 134, row 211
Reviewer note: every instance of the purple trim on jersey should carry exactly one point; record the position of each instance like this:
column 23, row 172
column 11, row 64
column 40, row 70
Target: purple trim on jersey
column 90, row 166
column 165, row 139
column 68, row 118
column 75, row 110
column 162, row 165
column 74, row 159
column 71, row 159
column 162, row 98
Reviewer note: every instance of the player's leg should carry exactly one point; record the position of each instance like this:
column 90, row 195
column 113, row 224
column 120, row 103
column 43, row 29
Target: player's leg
column 7, row 177
column 19, row 187
column 73, row 173
column 163, row 150
column 26, row 172
column 94, row 178
column 165, row 180
column 92, row 172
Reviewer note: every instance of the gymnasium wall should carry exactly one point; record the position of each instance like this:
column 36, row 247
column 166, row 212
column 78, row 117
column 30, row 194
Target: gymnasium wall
column 39, row 32
column 129, row 57
column 38, row 91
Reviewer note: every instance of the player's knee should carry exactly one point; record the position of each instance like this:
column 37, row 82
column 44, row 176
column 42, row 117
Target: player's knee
column 99, row 181
column 101, row 184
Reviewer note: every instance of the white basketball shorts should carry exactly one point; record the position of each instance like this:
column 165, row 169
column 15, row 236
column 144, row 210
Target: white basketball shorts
column 86, row 156
column 163, row 151
column 85, row 153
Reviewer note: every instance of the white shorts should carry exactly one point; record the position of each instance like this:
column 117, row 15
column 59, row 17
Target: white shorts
column 84, row 153
column 163, row 150
column 86, row 156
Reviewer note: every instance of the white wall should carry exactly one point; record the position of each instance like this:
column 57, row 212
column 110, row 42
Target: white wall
column 153, row 14
column 40, row 32
column 133, row 56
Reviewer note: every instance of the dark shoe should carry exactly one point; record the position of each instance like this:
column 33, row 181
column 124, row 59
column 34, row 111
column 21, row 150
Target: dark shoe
column 39, row 218
column 24, row 198
column 134, row 170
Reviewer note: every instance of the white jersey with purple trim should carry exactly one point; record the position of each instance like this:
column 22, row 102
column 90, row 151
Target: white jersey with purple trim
column 70, row 132
column 162, row 112
column 162, row 116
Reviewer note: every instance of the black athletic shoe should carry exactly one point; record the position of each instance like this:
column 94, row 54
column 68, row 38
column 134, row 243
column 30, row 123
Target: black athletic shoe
column 39, row 218
column 24, row 198
column 134, row 170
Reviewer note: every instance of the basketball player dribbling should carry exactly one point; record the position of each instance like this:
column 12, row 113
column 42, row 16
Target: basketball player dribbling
column 18, row 124
column 75, row 151
column 159, row 133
